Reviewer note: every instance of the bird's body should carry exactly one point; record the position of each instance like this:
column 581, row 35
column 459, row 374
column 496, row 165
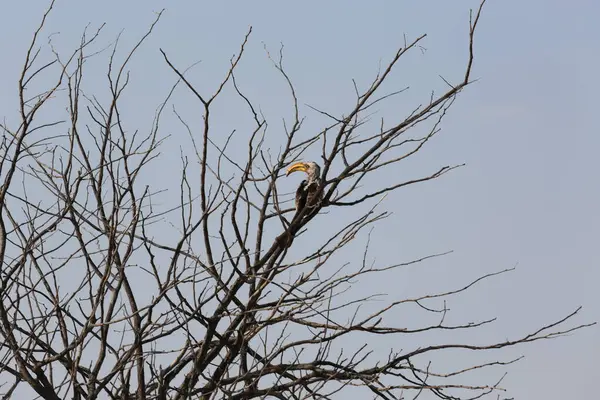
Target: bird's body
column 309, row 193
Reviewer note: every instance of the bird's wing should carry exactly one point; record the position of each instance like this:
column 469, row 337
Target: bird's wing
column 301, row 195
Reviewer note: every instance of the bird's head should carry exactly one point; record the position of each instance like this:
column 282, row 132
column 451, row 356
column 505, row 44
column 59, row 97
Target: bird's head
column 311, row 168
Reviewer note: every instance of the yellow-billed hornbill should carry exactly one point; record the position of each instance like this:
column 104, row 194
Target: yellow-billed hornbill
column 309, row 193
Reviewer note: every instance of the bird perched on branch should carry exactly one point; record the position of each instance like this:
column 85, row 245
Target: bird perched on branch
column 309, row 193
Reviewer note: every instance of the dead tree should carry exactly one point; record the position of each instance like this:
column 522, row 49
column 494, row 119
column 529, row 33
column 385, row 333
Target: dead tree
column 112, row 288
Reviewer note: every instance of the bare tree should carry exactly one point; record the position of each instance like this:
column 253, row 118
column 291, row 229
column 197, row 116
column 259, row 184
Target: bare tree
column 99, row 302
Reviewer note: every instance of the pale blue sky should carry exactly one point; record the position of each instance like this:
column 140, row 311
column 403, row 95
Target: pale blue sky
column 527, row 132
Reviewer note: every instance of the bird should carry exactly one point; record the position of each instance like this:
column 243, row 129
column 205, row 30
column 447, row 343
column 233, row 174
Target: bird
column 309, row 193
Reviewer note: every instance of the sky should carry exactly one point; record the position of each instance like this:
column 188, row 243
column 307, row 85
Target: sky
column 526, row 130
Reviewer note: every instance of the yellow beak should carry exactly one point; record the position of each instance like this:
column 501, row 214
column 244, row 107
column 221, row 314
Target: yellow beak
column 299, row 166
